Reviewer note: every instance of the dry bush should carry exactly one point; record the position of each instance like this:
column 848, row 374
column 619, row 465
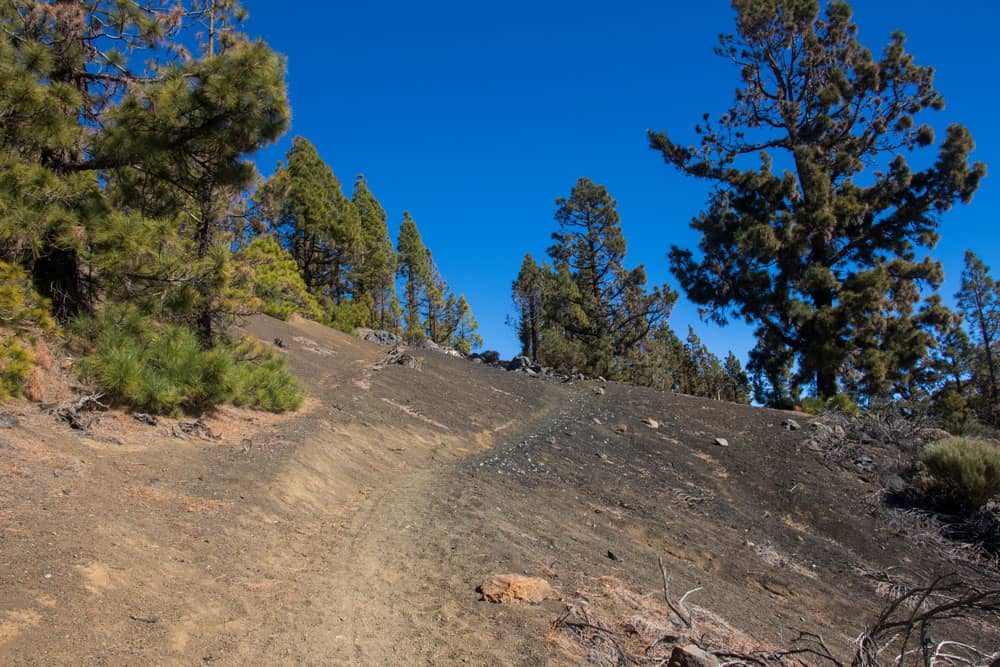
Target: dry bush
column 965, row 470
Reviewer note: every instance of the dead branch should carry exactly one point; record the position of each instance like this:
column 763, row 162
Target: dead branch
column 678, row 609
column 398, row 356
column 908, row 618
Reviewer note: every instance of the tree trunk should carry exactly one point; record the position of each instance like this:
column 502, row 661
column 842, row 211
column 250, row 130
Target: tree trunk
column 826, row 383
column 533, row 330
column 206, row 227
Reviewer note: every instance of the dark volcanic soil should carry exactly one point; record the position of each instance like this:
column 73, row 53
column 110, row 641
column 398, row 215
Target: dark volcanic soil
column 356, row 531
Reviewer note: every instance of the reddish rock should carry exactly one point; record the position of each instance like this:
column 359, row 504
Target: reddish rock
column 512, row 587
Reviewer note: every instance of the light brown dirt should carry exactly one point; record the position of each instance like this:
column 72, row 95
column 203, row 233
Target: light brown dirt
column 357, row 531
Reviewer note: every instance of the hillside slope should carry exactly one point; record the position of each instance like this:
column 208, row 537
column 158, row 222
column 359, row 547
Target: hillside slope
column 357, row 531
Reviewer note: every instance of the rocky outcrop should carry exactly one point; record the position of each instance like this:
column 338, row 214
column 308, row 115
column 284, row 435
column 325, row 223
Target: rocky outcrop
column 379, row 337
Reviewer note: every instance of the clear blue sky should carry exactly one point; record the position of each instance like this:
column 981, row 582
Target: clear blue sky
column 475, row 116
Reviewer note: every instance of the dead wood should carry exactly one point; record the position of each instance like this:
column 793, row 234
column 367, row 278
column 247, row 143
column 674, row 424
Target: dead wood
column 72, row 411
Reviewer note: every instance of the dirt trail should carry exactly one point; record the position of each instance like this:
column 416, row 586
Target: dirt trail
column 357, row 531
column 311, row 539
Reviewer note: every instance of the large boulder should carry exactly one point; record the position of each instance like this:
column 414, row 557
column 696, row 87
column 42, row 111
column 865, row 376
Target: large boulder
column 503, row 588
column 519, row 363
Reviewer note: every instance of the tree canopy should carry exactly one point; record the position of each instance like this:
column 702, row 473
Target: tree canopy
column 818, row 243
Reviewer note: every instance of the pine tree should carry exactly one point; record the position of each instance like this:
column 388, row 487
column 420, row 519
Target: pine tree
column 414, row 268
column 465, row 338
column 374, row 274
column 979, row 301
column 822, row 254
column 438, row 303
column 737, row 384
column 528, row 291
column 319, row 226
column 130, row 107
column 276, row 280
column 616, row 311
column 558, row 347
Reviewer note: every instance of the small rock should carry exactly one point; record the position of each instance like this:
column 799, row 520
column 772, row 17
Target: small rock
column 530, row 373
column 490, row 356
column 865, row 463
column 651, row 423
column 601, row 379
column 722, row 442
column 791, row 425
column 621, row 428
column 8, row 420
column 894, row 484
column 612, row 555
column 690, row 655
column 599, row 391
column 597, row 421
column 146, row 418
column 504, row 588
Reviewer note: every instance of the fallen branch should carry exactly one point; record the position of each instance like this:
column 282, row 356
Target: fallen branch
column 678, row 609
column 909, row 617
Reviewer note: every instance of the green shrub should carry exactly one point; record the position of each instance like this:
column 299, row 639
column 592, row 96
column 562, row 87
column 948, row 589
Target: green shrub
column 259, row 379
column 20, row 305
column 815, row 405
column 350, row 314
column 22, row 313
column 964, row 469
column 16, row 364
column 163, row 369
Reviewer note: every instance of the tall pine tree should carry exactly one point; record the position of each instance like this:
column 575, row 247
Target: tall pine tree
column 979, row 301
column 528, row 290
column 613, row 310
column 414, row 269
column 820, row 251
column 375, row 271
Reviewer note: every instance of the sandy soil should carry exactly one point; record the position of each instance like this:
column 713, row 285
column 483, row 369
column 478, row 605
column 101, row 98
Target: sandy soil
column 356, row 531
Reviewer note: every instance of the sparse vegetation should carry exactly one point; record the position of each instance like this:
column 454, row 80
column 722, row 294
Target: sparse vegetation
column 965, row 470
